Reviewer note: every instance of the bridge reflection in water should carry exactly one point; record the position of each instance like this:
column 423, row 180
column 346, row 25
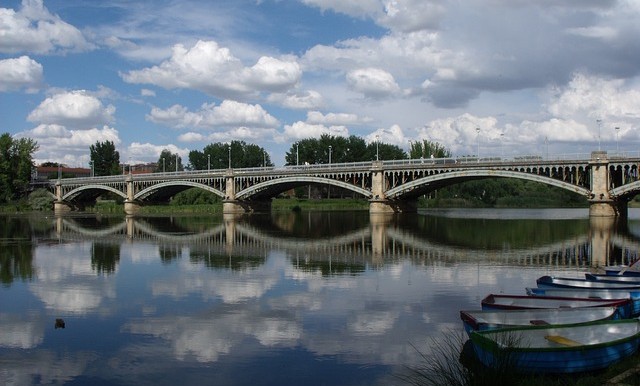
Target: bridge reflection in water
column 355, row 241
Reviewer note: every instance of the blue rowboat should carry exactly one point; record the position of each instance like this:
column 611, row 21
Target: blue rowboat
column 517, row 302
column 591, row 293
column 622, row 270
column 569, row 282
column 491, row 320
column 631, row 280
column 558, row 349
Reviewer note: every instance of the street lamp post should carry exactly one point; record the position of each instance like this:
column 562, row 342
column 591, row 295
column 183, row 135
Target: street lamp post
column 617, row 144
column 297, row 153
column 599, row 121
column 546, row 146
column 92, row 169
column 208, row 162
column 163, row 169
column 501, row 146
column 410, row 149
column 478, row 142
column 176, row 162
column 329, row 154
column 377, row 148
column 264, row 158
column 229, row 147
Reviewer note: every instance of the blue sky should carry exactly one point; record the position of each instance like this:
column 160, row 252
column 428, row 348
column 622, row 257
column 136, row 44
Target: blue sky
column 534, row 77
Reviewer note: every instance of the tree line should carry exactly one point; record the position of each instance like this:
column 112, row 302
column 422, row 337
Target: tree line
column 16, row 166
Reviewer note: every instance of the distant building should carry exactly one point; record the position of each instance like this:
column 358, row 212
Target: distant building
column 45, row 173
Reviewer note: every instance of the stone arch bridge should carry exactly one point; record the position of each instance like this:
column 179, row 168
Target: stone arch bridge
column 390, row 186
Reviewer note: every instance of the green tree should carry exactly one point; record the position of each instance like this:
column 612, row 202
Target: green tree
column 385, row 151
column 237, row 153
column 427, row 149
column 16, row 166
column 351, row 149
column 105, row 159
column 167, row 162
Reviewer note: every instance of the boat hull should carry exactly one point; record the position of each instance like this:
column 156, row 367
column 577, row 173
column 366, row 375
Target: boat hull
column 492, row 320
column 517, row 302
column 558, row 349
column 565, row 282
column 621, row 271
column 591, row 293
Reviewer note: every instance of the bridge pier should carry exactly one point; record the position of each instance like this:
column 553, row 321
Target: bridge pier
column 131, row 207
column 61, row 207
column 608, row 208
column 601, row 203
column 245, row 206
column 393, row 206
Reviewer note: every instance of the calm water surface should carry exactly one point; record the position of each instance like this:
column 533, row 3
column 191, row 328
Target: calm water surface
column 338, row 298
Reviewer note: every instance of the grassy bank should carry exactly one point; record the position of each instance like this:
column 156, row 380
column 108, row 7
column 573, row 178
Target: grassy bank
column 284, row 204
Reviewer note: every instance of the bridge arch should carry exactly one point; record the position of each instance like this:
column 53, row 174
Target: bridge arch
column 149, row 191
column 407, row 188
column 282, row 184
column 626, row 191
column 71, row 195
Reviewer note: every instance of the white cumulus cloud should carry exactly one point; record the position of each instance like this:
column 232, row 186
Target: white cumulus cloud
column 34, row 29
column 302, row 130
column 75, row 109
column 214, row 70
column 20, row 73
column 210, row 116
column 372, row 82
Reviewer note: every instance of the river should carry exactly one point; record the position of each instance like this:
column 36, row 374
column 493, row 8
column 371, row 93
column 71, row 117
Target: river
column 318, row 298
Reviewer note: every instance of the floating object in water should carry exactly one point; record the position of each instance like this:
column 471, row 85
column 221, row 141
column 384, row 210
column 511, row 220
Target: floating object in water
column 59, row 323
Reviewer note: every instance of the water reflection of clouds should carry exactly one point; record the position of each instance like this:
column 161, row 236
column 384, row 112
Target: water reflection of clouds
column 273, row 304
column 19, row 333
column 208, row 336
column 23, row 367
column 67, row 283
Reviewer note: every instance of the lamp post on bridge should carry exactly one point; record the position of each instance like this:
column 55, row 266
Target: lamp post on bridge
column 297, row 153
column 163, row 170
column 617, row 144
column 208, row 162
column 501, row 146
column 478, row 143
column 329, row 154
column 229, row 147
column 599, row 122
column 92, row 169
column 377, row 147
column 176, row 162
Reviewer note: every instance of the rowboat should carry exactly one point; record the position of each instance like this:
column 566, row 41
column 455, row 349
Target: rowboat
column 621, row 270
column 558, row 349
column 491, row 320
column 632, row 280
column 626, row 270
column 517, row 302
column 569, row 282
column 591, row 293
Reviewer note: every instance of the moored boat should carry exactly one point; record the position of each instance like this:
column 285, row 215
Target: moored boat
column 568, row 282
column 517, row 302
column 626, row 270
column 494, row 319
column 632, row 280
column 591, row 293
column 558, row 349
